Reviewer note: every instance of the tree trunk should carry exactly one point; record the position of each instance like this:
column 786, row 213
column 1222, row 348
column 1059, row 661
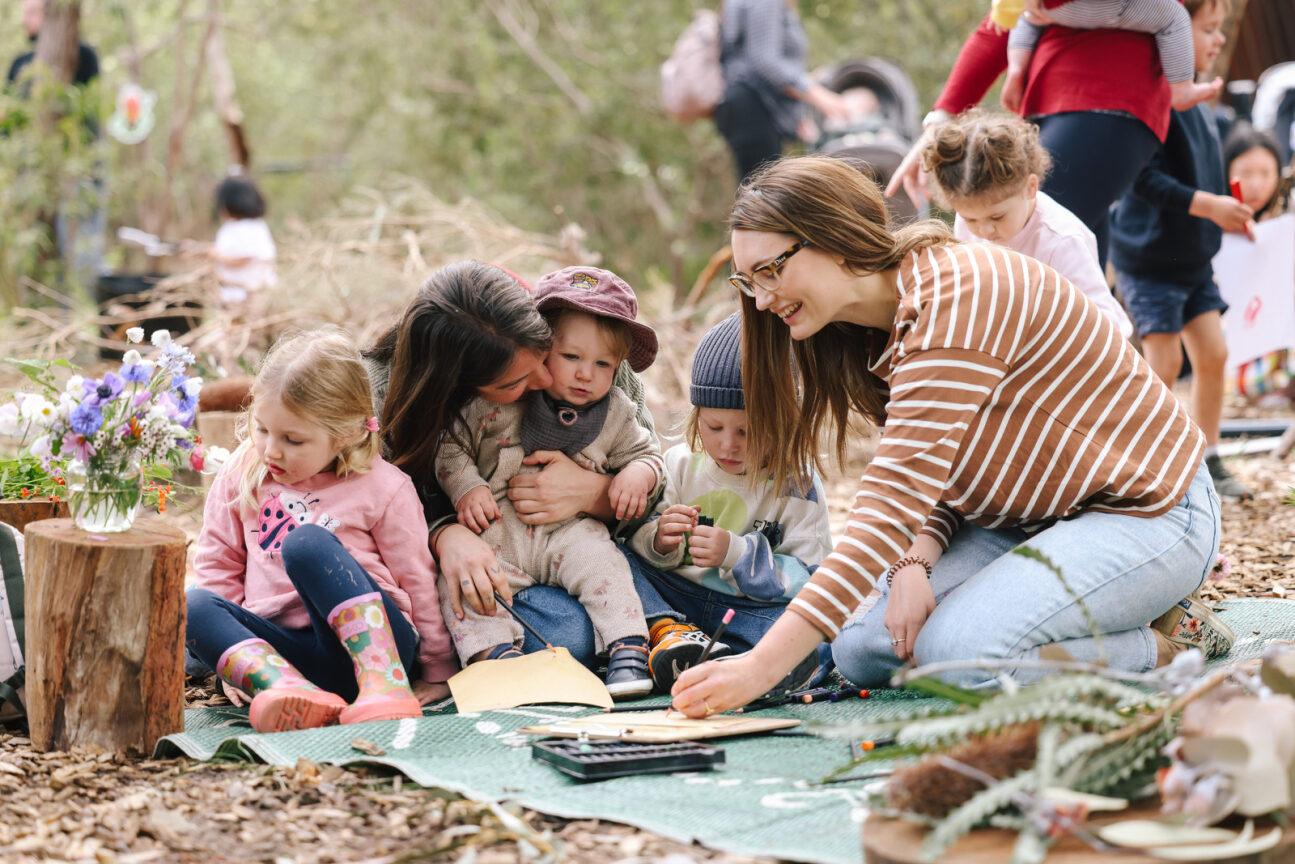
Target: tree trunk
column 222, row 90
column 59, row 40
column 19, row 514
column 105, row 635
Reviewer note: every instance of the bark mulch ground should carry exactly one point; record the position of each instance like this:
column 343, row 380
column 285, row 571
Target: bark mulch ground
column 86, row 806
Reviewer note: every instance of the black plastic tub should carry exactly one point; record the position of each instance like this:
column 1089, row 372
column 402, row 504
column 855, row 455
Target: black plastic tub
column 131, row 291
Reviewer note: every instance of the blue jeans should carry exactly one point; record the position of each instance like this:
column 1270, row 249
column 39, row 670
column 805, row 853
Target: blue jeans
column 992, row 604
column 562, row 619
column 704, row 607
column 325, row 575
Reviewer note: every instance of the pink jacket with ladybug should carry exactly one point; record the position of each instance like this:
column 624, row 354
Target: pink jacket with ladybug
column 376, row 515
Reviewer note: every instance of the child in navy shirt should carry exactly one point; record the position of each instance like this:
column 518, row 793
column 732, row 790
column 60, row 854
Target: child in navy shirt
column 1164, row 235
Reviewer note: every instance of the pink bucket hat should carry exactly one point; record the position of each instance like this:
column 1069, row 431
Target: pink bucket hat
column 601, row 293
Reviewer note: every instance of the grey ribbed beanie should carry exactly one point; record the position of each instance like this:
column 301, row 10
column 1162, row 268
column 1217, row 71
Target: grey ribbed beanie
column 717, row 366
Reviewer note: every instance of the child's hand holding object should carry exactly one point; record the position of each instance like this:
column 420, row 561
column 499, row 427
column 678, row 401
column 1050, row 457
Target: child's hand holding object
column 477, row 509
column 630, row 489
column 708, row 545
column 675, row 522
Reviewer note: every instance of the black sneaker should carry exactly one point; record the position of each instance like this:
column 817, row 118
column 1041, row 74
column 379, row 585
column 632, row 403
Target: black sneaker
column 1225, row 483
column 799, row 678
column 677, row 646
column 627, row 669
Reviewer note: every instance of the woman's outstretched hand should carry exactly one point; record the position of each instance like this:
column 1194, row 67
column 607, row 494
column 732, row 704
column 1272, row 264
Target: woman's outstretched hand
column 909, row 176
column 560, row 490
column 731, row 683
column 722, row 685
column 471, row 571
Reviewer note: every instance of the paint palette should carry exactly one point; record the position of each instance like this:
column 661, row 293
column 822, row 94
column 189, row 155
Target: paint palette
column 600, row 760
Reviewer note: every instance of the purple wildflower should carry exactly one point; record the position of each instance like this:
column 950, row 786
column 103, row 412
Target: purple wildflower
column 104, row 391
column 86, row 418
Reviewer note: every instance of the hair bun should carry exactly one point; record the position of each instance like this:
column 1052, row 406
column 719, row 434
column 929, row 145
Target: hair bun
column 948, row 145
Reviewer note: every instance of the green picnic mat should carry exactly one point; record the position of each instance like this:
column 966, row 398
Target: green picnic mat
column 765, row 799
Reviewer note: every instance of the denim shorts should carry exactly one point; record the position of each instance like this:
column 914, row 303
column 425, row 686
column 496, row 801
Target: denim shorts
column 1158, row 304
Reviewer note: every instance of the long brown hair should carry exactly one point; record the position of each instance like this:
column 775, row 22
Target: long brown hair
column 458, row 335
column 833, row 205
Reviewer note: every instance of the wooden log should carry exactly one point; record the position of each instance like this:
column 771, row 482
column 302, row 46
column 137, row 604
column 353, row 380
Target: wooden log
column 19, row 514
column 894, row 841
column 105, row 635
column 225, row 394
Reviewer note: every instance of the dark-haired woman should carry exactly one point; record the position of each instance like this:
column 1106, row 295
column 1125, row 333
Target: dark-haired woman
column 473, row 330
column 1013, row 415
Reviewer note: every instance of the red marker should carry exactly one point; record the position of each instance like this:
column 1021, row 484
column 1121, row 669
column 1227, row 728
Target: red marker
column 1235, row 186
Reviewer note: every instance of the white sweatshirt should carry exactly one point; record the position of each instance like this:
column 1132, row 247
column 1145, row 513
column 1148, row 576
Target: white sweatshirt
column 777, row 539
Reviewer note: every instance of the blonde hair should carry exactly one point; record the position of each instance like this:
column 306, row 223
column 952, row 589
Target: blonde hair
column 319, row 376
column 978, row 153
column 833, row 205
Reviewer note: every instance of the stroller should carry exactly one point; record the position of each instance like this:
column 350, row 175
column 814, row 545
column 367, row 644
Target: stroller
column 883, row 125
column 1274, row 106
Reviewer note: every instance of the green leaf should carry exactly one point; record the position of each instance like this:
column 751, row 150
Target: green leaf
column 37, row 371
column 952, row 692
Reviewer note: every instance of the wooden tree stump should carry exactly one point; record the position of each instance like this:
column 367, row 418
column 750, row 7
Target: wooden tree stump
column 18, row 514
column 105, row 635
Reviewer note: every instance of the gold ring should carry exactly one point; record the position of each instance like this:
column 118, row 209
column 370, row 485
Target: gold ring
column 709, row 710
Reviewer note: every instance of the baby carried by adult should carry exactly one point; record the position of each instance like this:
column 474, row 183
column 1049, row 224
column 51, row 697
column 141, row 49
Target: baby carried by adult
column 592, row 315
column 1167, row 20
column 315, row 583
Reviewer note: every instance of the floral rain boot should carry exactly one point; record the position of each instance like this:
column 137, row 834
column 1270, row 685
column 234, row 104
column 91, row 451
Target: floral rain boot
column 362, row 626
column 282, row 698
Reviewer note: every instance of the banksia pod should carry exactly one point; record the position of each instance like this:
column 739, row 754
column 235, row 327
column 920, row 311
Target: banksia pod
column 932, row 789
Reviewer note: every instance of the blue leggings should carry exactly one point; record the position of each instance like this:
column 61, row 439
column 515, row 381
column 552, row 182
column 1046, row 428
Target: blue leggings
column 1096, row 156
column 324, row 574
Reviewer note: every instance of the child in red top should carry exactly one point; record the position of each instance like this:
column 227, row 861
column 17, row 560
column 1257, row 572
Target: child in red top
column 1167, row 20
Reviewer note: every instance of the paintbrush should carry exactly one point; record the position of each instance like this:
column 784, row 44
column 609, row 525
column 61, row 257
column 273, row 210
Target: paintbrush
column 522, row 621
column 719, row 631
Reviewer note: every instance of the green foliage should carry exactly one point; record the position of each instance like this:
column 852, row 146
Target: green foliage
column 40, row 167
column 23, row 477
column 341, row 95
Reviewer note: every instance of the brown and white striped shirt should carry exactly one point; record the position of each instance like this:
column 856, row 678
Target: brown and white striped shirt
column 1013, row 401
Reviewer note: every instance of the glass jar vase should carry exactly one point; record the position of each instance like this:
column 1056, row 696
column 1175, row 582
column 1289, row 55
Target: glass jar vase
column 104, row 504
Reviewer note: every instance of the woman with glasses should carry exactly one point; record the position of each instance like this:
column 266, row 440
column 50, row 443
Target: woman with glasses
column 1014, row 419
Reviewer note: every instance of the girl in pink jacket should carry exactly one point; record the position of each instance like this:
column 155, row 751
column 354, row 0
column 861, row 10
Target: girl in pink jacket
column 316, row 587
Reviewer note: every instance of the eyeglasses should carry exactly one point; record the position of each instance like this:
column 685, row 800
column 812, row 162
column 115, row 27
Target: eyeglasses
column 765, row 277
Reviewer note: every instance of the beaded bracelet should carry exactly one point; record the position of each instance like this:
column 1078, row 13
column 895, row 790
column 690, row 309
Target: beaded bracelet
column 904, row 562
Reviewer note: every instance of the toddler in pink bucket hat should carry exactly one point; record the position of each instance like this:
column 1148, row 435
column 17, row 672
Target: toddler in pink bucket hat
column 603, row 294
column 580, row 413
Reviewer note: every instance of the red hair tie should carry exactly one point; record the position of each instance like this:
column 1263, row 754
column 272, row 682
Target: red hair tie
column 371, row 424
